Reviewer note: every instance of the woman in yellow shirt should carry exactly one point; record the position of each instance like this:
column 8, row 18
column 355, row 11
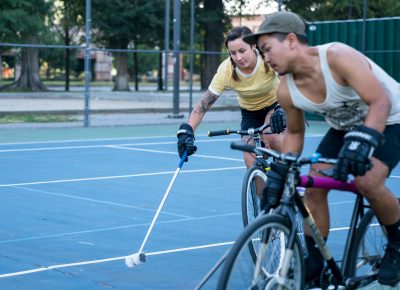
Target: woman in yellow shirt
column 255, row 84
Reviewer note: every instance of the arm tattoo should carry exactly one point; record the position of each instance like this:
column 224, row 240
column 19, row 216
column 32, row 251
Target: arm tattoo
column 206, row 102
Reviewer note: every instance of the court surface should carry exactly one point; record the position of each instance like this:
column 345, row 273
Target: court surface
column 75, row 202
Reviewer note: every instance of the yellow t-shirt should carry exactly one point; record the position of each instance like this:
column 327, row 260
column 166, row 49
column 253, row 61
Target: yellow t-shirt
column 254, row 91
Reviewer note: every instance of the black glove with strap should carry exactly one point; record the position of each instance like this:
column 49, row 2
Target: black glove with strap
column 277, row 120
column 186, row 138
column 274, row 186
column 355, row 155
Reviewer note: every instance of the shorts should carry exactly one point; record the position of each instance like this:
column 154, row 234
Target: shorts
column 388, row 152
column 255, row 119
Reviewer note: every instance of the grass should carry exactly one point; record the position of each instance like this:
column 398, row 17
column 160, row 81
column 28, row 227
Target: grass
column 36, row 118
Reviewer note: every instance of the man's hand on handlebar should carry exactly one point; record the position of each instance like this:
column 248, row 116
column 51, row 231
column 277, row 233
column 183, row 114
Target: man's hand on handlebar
column 277, row 120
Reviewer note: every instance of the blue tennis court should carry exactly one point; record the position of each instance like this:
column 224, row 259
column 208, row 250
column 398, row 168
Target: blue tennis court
column 75, row 203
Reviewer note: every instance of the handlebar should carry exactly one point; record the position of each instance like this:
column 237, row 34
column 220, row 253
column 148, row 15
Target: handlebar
column 250, row 132
column 289, row 158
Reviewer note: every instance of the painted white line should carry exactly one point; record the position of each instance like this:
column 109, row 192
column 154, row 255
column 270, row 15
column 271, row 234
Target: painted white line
column 93, row 140
column 120, row 176
column 98, row 261
column 99, row 201
column 119, row 228
column 87, row 140
column 173, row 153
column 47, row 268
column 102, row 146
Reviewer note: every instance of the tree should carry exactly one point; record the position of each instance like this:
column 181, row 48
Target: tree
column 68, row 21
column 122, row 24
column 211, row 19
column 313, row 10
column 25, row 22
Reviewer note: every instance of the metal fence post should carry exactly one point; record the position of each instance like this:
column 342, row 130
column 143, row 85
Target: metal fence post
column 87, row 64
column 191, row 55
column 166, row 45
column 177, row 53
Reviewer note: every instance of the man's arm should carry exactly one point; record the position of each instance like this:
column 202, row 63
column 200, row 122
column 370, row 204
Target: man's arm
column 293, row 140
column 201, row 108
column 350, row 68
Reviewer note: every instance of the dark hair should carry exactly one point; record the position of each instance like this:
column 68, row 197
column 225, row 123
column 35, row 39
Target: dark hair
column 233, row 34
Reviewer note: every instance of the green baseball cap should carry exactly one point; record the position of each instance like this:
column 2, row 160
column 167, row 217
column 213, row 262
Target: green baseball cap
column 279, row 22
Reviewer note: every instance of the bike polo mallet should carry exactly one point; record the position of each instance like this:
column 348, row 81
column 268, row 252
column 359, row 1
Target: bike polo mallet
column 140, row 257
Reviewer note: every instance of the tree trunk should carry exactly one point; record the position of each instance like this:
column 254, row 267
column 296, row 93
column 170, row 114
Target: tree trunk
column 122, row 77
column 67, row 58
column 213, row 40
column 29, row 80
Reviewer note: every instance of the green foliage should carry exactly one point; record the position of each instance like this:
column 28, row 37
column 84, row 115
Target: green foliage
column 314, row 10
column 121, row 21
column 20, row 19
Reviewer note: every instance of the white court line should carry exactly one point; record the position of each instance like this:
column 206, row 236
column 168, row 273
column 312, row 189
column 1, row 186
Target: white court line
column 93, row 140
column 120, row 227
column 103, row 146
column 82, row 140
column 120, row 176
column 111, row 139
column 174, row 153
column 47, row 268
column 99, row 201
column 130, row 226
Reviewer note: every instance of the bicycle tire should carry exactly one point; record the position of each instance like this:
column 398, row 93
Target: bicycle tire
column 367, row 251
column 253, row 183
column 238, row 271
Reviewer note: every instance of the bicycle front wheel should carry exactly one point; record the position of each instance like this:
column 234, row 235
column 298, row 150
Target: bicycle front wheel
column 268, row 236
column 367, row 250
column 253, row 185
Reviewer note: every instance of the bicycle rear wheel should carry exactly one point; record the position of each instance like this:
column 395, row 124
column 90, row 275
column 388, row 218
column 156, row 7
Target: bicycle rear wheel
column 268, row 236
column 253, row 185
column 367, row 250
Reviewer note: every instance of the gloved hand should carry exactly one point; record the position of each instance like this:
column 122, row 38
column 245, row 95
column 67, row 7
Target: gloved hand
column 273, row 189
column 186, row 140
column 355, row 155
column 277, row 120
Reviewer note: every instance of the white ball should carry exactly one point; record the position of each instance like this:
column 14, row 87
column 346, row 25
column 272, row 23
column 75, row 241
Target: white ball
column 135, row 259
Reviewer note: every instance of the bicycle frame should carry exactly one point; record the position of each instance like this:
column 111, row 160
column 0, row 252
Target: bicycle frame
column 291, row 197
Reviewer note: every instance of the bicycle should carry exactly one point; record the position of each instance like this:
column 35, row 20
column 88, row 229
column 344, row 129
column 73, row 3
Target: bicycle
column 255, row 177
column 362, row 254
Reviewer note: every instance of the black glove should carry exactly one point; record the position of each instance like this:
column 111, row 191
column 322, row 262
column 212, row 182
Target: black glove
column 355, row 155
column 186, row 140
column 277, row 120
column 273, row 189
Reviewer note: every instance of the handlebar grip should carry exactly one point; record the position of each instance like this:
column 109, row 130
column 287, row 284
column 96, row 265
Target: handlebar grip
column 238, row 145
column 219, row 133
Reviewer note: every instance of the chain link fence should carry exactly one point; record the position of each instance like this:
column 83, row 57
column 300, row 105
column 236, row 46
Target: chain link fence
column 88, row 92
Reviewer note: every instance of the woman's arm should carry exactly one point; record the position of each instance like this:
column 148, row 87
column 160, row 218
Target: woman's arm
column 201, row 108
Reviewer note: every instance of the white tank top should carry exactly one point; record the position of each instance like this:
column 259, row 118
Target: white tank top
column 343, row 108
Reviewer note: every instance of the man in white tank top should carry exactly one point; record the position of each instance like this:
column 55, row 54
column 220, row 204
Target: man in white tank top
column 360, row 101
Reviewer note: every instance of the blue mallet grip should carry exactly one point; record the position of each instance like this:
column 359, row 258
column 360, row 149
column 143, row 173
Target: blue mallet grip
column 185, row 154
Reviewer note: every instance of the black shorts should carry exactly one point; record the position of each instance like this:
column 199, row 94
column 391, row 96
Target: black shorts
column 388, row 153
column 255, row 119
